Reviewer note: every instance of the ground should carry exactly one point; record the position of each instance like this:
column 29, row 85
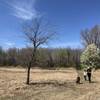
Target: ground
column 47, row 85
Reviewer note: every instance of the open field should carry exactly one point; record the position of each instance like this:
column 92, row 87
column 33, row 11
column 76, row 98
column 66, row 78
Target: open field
column 47, row 85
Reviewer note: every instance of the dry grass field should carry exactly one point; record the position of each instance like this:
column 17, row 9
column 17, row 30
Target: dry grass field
column 47, row 85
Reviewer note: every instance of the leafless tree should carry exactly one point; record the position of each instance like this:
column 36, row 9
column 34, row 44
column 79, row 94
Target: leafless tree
column 38, row 33
column 91, row 36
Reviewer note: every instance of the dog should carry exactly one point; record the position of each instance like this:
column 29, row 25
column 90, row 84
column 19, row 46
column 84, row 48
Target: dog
column 78, row 80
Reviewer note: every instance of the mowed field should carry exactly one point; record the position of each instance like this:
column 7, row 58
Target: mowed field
column 47, row 85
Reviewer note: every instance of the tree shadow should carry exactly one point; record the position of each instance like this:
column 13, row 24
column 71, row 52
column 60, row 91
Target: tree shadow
column 53, row 83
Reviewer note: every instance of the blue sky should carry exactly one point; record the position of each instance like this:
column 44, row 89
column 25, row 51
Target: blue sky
column 69, row 17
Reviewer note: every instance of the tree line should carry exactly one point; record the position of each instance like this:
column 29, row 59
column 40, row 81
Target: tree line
column 46, row 57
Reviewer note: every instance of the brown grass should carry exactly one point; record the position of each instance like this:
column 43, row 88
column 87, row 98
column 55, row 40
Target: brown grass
column 47, row 85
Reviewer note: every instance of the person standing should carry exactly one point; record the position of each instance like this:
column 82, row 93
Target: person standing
column 85, row 74
column 89, row 71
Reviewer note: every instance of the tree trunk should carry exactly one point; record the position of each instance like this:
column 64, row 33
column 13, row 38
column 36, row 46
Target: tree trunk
column 28, row 75
column 33, row 59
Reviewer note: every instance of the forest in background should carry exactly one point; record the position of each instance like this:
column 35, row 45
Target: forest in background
column 46, row 57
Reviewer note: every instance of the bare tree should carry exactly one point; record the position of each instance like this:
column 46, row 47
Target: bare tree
column 91, row 36
column 38, row 34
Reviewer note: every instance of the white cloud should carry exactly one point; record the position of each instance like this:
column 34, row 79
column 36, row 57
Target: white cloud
column 9, row 44
column 67, row 44
column 24, row 9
